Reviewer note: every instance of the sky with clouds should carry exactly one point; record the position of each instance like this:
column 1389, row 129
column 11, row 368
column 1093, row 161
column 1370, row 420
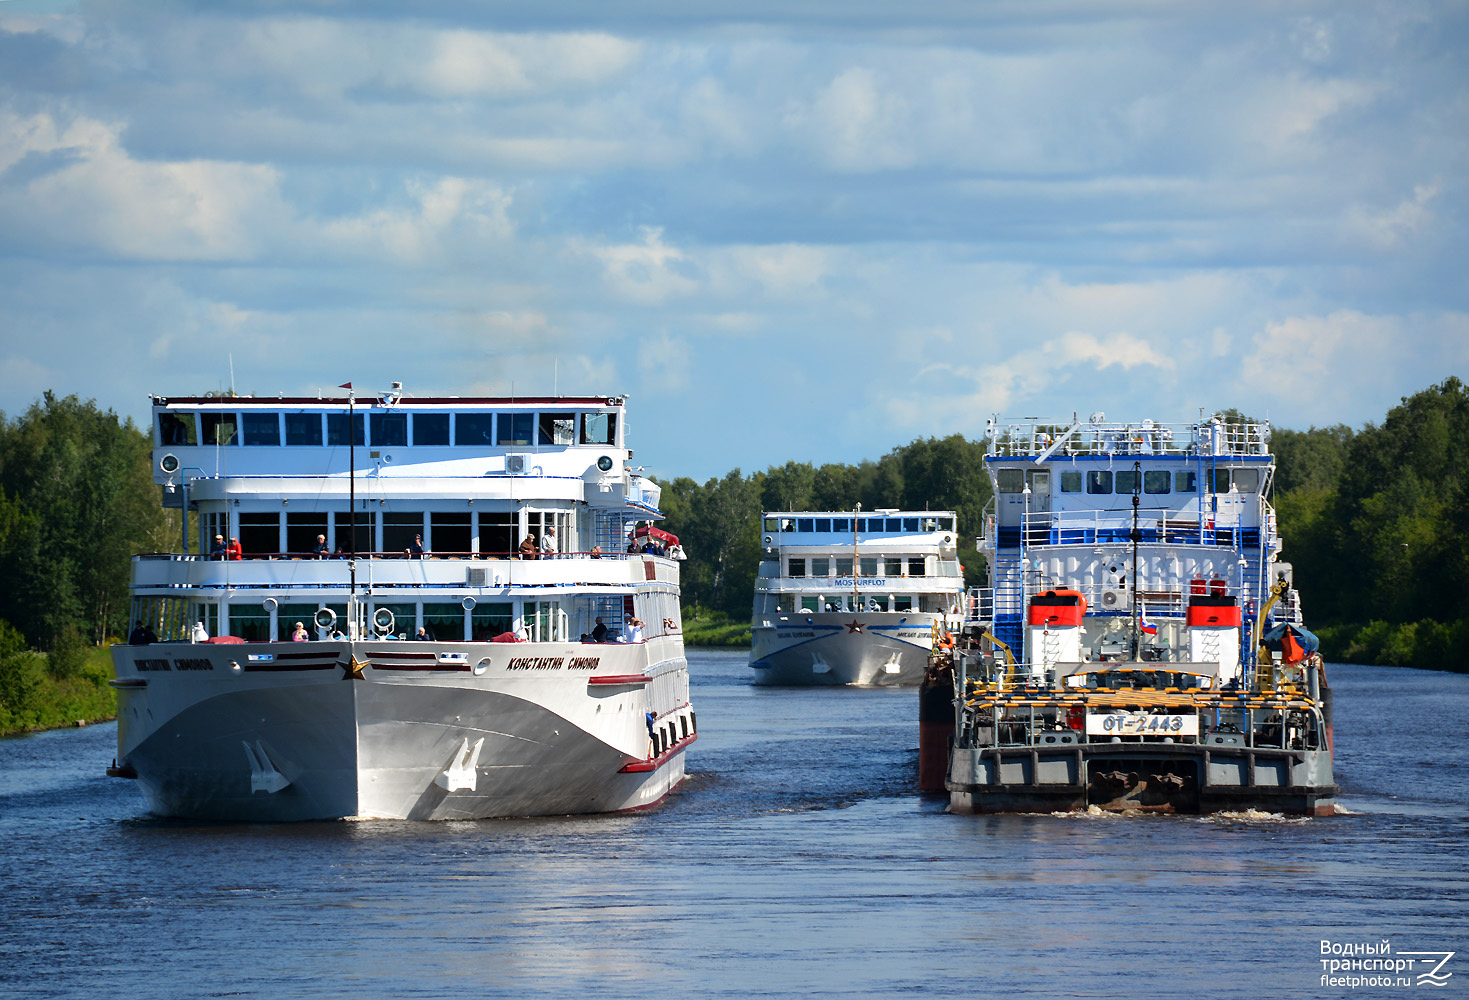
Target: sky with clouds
column 788, row 231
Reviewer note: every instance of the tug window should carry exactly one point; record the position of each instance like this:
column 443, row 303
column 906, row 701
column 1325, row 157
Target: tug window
column 1099, row 482
column 431, row 428
column 599, row 428
column 262, row 429
column 336, row 429
column 1127, row 483
column 557, row 428
column 1155, row 481
column 1071, row 482
column 218, row 428
column 1246, row 480
column 174, row 428
column 515, row 428
column 390, row 429
column 1185, row 482
column 796, row 567
column 475, row 429
column 1010, row 480
column 303, row 429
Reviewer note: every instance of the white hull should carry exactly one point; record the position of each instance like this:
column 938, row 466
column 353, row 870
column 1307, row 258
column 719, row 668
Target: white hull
column 290, row 731
column 822, row 648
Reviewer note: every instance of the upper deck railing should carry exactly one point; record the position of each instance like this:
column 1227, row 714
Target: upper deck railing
column 1037, row 439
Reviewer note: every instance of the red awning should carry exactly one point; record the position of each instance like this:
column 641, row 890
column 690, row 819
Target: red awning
column 657, row 533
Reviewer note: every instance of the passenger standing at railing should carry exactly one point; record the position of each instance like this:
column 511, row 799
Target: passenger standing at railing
column 220, row 550
column 299, row 635
column 596, row 552
column 321, row 551
column 234, row 549
column 548, row 542
column 415, row 550
column 528, row 546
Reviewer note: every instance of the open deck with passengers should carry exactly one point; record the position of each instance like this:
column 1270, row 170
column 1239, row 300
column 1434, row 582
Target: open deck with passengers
column 1139, row 645
column 549, row 675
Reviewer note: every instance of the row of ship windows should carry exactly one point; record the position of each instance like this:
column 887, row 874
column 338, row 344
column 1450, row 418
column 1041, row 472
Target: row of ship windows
column 843, row 525
column 393, row 429
column 791, row 603
column 891, row 566
column 1154, row 481
column 500, row 533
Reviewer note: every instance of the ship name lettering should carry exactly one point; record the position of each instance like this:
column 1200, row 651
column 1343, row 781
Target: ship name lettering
column 583, row 663
column 536, row 663
column 192, row 663
column 143, row 665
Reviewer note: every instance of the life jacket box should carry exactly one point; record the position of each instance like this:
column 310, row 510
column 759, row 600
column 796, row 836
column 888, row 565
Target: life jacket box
column 1057, row 609
column 1213, row 611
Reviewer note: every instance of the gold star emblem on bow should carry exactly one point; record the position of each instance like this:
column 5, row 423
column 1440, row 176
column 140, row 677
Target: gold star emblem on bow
column 354, row 670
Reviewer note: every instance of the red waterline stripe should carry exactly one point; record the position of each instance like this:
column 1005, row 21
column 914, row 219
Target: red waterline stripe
column 661, row 759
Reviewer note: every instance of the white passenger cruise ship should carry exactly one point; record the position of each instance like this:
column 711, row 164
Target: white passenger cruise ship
column 273, row 672
column 851, row 598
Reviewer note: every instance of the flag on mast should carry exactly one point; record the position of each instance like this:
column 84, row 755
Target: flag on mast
column 345, row 385
column 1147, row 627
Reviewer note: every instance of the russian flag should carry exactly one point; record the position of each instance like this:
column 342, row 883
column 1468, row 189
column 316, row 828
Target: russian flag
column 1147, row 627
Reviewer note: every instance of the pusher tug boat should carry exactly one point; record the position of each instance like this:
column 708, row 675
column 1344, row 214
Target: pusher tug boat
column 276, row 676
column 1139, row 646
column 844, row 597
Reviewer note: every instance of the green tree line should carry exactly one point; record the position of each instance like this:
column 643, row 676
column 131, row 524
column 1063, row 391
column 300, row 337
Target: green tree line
column 77, row 501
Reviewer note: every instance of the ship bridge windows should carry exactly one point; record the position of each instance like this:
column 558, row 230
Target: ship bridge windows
column 261, row 429
column 389, row 430
column 788, row 524
column 219, row 428
column 823, row 524
column 1185, row 482
column 1071, row 482
column 841, row 524
column 1099, row 481
column 1126, row 482
column 303, row 429
column 599, row 428
column 337, row 429
column 557, row 429
column 430, row 429
column 176, row 429
column 771, row 524
column 474, row 429
column 805, row 524
column 1245, row 480
column 515, row 429
column 1156, row 481
column 1010, row 480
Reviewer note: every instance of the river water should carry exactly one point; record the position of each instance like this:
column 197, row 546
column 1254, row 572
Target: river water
column 796, row 861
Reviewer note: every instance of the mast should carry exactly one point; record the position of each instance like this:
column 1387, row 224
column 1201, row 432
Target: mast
column 856, row 562
column 352, row 511
column 1137, row 499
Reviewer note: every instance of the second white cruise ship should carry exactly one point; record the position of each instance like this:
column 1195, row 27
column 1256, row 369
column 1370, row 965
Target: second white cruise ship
column 844, row 597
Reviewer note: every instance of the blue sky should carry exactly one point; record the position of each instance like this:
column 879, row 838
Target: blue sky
column 788, row 231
